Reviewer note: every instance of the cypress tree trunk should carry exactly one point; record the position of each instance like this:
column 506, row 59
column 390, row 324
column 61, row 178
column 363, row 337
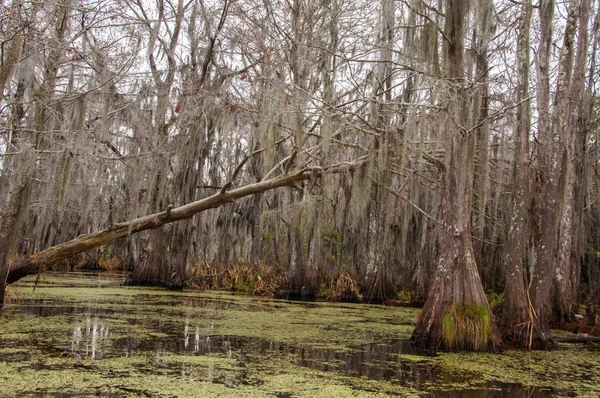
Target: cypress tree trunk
column 153, row 266
column 380, row 287
column 551, row 130
column 545, row 183
column 565, row 278
column 481, row 105
column 457, row 314
column 14, row 216
column 517, row 318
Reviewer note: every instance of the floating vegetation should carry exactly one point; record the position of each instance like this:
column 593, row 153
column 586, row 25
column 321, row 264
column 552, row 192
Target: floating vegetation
column 85, row 334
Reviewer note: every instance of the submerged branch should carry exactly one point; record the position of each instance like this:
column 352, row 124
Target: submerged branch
column 578, row 339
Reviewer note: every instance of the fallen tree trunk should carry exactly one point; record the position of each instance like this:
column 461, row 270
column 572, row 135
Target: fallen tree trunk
column 35, row 263
column 578, row 339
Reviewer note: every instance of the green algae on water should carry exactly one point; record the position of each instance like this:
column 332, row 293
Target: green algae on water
column 80, row 336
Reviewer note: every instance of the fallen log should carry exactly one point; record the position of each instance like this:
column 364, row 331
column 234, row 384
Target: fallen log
column 578, row 339
column 36, row 262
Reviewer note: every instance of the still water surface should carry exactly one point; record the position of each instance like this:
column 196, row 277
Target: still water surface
column 83, row 334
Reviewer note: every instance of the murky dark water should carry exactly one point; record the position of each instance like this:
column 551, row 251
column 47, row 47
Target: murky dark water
column 116, row 341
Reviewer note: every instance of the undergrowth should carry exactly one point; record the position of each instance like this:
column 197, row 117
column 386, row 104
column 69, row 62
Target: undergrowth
column 467, row 327
column 260, row 279
column 341, row 288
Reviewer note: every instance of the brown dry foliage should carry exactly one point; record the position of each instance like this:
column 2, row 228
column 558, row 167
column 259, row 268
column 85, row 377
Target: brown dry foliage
column 256, row 279
column 342, row 288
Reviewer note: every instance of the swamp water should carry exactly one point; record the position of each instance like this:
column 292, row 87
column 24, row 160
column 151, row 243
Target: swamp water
column 82, row 334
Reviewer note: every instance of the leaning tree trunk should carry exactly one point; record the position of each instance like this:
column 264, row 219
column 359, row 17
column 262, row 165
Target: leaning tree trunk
column 457, row 314
column 36, row 262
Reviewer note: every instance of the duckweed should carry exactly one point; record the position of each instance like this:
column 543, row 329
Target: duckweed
column 82, row 335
